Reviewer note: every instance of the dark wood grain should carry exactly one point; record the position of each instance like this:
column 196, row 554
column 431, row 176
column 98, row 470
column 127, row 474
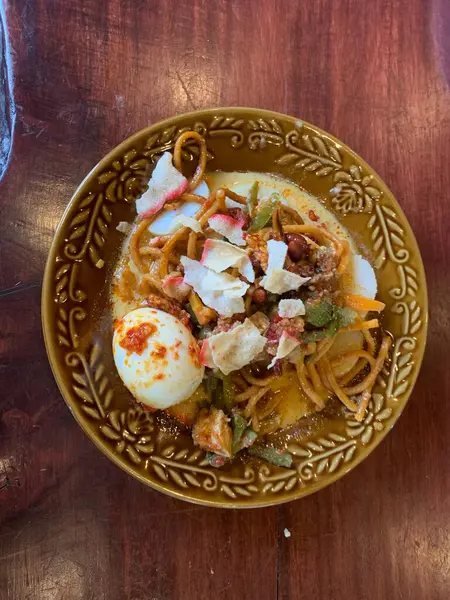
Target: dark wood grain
column 86, row 75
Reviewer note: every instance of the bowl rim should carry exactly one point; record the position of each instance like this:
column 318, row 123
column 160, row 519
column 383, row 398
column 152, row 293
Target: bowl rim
column 47, row 301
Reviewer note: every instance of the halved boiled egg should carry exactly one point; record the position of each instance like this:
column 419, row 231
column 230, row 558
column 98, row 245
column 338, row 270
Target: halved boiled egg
column 364, row 279
column 157, row 357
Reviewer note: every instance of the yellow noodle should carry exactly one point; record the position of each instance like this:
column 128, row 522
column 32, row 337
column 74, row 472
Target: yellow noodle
column 190, row 197
column 356, row 370
column 152, row 281
column 192, row 245
column 276, row 221
column 364, row 403
column 322, row 348
column 220, row 197
column 369, row 341
column 253, row 401
column 269, row 407
column 150, row 251
column 318, row 233
column 134, row 244
column 173, row 205
column 319, row 388
column 249, row 392
column 293, row 213
column 177, row 156
column 236, row 197
column 308, row 390
column 356, row 354
column 163, row 267
column 209, row 213
column 255, row 423
column 345, row 257
column 259, row 381
column 340, row 393
column 370, row 379
column 239, row 381
column 323, row 376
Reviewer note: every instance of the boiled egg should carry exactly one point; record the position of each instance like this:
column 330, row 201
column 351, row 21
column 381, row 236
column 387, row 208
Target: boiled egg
column 157, row 357
column 364, row 279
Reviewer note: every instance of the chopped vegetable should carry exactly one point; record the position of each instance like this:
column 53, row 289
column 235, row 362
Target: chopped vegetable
column 340, row 318
column 238, row 425
column 320, row 313
column 215, row 390
column 243, row 436
column 215, row 460
column 248, row 438
column 272, row 455
column 264, row 213
column 362, row 304
column 228, row 393
column 314, row 336
column 252, row 198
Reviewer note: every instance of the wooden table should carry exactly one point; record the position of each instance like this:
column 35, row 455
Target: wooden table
column 88, row 73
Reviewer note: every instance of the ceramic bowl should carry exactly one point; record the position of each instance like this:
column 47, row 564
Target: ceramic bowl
column 78, row 326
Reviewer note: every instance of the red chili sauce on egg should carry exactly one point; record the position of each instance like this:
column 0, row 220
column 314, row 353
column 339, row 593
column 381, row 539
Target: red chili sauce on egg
column 135, row 339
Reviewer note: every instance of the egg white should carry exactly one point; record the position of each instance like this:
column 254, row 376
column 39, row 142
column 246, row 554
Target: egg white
column 158, row 378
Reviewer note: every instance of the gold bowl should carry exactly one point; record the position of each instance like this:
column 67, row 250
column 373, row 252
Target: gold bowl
column 77, row 321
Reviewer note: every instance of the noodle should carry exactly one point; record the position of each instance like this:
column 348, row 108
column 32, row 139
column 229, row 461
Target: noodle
column 370, row 379
column 243, row 396
column 259, row 381
column 177, row 158
column 192, row 246
column 369, row 341
column 340, row 393
column 345, row 257
column 153, row 252
column 236, row 197
column 319, row 388
column 190, row 197
column 254, row 399
column 173, row 205
column 356, row 370
column 271, row 405
column 293, row 213
column 152, row 281
column 356, row 354
column 134, row 244
column 163, row 267
column 314, row 396
column 322, row 348
column 365, row 399
column 239, row 381
column 319, row 234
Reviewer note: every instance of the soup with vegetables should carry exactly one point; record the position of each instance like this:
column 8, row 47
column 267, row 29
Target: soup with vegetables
column 240, row 305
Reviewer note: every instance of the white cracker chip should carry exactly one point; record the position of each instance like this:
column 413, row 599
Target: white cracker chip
column 228, row 227
column 186, row 221
column 291, row 308
column 211, row 287
column 280, row 281
column 219, row 255
column 286, row 345
column 234, row 349
column 277, row 280
column 277, row 252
